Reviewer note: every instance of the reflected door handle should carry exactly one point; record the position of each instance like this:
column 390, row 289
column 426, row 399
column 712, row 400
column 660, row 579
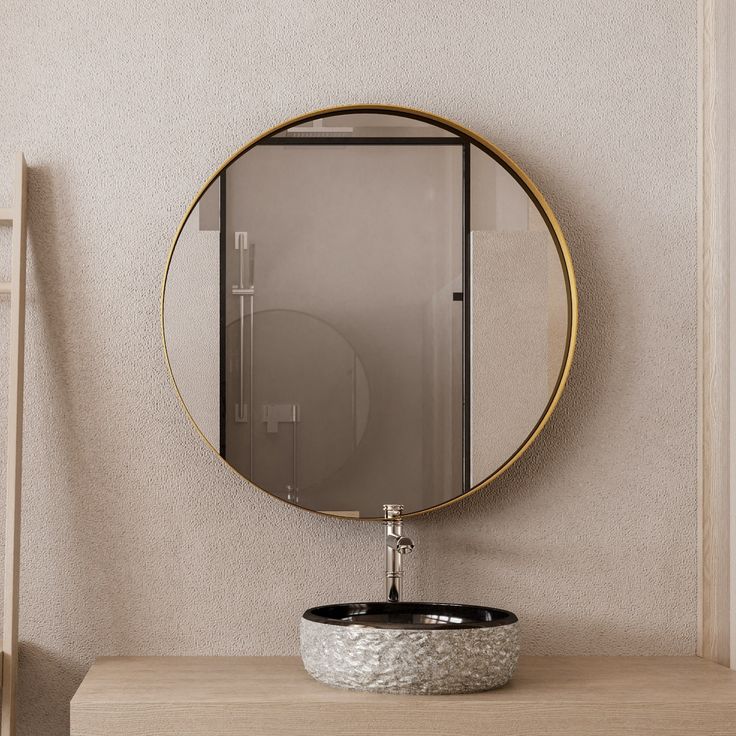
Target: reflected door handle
column 275, row 414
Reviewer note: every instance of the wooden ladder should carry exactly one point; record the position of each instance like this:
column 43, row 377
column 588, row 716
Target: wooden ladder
column 14, row 216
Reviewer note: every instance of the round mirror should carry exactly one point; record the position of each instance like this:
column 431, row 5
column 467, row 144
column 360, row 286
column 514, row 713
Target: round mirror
column 369, row 305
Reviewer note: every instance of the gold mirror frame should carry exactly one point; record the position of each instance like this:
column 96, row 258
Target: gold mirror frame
column 532, row 191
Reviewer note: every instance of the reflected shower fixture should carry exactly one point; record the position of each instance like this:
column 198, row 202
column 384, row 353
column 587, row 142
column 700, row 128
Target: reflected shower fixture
column 245, row 289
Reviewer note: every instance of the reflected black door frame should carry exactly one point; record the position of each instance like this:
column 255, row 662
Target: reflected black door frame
column 465, row 294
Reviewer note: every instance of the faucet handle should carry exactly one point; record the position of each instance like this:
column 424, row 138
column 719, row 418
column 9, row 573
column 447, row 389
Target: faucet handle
column 399, row 543
column 404, row 545
column 393, row 510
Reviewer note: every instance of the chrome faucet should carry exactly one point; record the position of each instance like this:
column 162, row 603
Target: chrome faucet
column 397, row 545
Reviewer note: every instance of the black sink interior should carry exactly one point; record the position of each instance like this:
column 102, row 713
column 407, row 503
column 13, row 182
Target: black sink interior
column 408, row 615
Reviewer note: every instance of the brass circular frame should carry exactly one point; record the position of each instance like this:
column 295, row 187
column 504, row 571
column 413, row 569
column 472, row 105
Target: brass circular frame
column 532, row 191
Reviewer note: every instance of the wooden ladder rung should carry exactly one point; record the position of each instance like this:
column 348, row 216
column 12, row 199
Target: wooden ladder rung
column 5, row 287
column 6, row 214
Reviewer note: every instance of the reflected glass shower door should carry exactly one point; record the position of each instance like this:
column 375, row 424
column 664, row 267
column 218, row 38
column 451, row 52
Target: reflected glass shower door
column 342, row 360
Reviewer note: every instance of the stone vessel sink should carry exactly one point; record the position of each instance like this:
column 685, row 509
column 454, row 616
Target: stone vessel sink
column 414, row 648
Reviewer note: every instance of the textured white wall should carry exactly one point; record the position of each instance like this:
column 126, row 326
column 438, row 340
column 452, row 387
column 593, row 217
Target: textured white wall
column 136, row 539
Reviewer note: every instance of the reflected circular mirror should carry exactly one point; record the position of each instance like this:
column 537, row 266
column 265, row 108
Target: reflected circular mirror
column 369, row 305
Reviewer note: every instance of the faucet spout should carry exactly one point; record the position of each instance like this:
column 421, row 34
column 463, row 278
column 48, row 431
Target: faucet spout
column 397, row 545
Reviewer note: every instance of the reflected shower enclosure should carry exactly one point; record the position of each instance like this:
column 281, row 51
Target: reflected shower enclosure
column 321, row 313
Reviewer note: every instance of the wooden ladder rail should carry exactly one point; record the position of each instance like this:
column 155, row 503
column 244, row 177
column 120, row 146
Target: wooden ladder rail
column 16, row 217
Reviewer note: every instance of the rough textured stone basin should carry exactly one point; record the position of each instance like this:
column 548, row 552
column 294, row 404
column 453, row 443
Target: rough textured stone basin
column 416, row 648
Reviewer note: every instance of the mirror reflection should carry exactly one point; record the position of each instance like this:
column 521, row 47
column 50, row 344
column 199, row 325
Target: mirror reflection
column 367, row 308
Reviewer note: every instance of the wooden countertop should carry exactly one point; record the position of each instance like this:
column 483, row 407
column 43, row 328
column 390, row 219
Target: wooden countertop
column 268, row 696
